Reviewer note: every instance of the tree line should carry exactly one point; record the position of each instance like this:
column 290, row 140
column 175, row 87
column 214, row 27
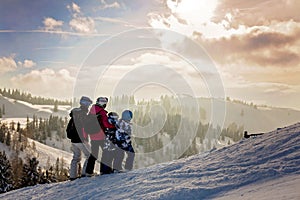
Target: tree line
column 27, row 97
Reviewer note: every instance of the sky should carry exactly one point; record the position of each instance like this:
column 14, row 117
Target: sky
column 246, row 50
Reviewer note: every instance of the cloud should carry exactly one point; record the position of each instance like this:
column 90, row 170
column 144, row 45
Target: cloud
column 79, row 22
column 276, row 45
column 166, row 67
column 52, row 24
column 7, row 64
column 257, row 12
column 113, row 5
column 29, row 64
column 273, row 43
column 45, row 82
column 74, row 8
column 260, row 48
column 83, row 24
column 114, row 20
column 190, row 16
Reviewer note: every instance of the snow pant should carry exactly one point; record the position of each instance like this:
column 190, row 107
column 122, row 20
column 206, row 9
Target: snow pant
column 119, row 156
column 106, row 161
column 77, row 148
column 105, row 168
column 112, row 160
column 130, row 157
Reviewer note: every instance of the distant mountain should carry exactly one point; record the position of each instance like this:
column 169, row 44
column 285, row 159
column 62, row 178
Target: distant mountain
column 254, row 118
column 265, row 167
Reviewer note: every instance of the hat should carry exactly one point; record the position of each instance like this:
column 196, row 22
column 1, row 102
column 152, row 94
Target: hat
column 85, row 101
column 113, row 115
column 127, row 115
column 102, row 101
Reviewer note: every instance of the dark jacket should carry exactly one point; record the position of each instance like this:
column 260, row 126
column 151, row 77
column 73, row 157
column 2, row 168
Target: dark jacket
column 79, row 115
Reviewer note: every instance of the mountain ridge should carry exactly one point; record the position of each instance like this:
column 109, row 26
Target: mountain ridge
column 254, row 119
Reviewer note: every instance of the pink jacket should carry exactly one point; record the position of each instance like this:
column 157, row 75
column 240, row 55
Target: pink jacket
column 104, row 122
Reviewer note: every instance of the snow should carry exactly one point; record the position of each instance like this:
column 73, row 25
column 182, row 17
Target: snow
column 22, row 121
column 281, row 188
column 44, row 108
column 264, row 167
column 20, row 109
column 43, row 153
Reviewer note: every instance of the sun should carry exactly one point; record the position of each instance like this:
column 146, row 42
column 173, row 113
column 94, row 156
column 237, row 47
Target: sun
column 193, row 11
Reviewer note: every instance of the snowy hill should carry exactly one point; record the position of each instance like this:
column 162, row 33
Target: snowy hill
column 20, row 109
column 42, row 152
column 265, row 167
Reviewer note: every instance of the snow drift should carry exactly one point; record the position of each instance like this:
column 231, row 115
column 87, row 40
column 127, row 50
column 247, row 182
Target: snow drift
column 265, row 167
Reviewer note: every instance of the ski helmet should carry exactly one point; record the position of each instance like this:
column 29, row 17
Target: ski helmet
column 102, row 101
column 85, row 101
column 113, row 117
column 127, row 115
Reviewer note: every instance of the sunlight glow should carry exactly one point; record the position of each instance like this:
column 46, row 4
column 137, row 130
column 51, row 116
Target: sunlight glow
column 194, row 11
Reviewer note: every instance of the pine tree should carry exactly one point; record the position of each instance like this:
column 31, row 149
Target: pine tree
column 56, row 169
column 18, row 127
column 30, row 175
column 3, row 109
column 2, row 134
column 33, row 146
column 55, row 109
column 48, row 165
column 17, row 166
column 50, row 175
column 6, row 177
column 12, row 125
column 63, row 173
column 8, row 138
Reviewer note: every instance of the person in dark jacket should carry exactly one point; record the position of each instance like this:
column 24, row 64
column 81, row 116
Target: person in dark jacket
column 79, row 141
column 98, row 139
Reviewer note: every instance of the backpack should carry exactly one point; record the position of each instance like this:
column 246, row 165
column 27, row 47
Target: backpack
column 91, row 124
column 71, row 129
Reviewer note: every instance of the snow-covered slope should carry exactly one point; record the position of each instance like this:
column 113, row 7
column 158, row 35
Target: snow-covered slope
column 21, row 109
column 42, row 152
column 265, row 167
